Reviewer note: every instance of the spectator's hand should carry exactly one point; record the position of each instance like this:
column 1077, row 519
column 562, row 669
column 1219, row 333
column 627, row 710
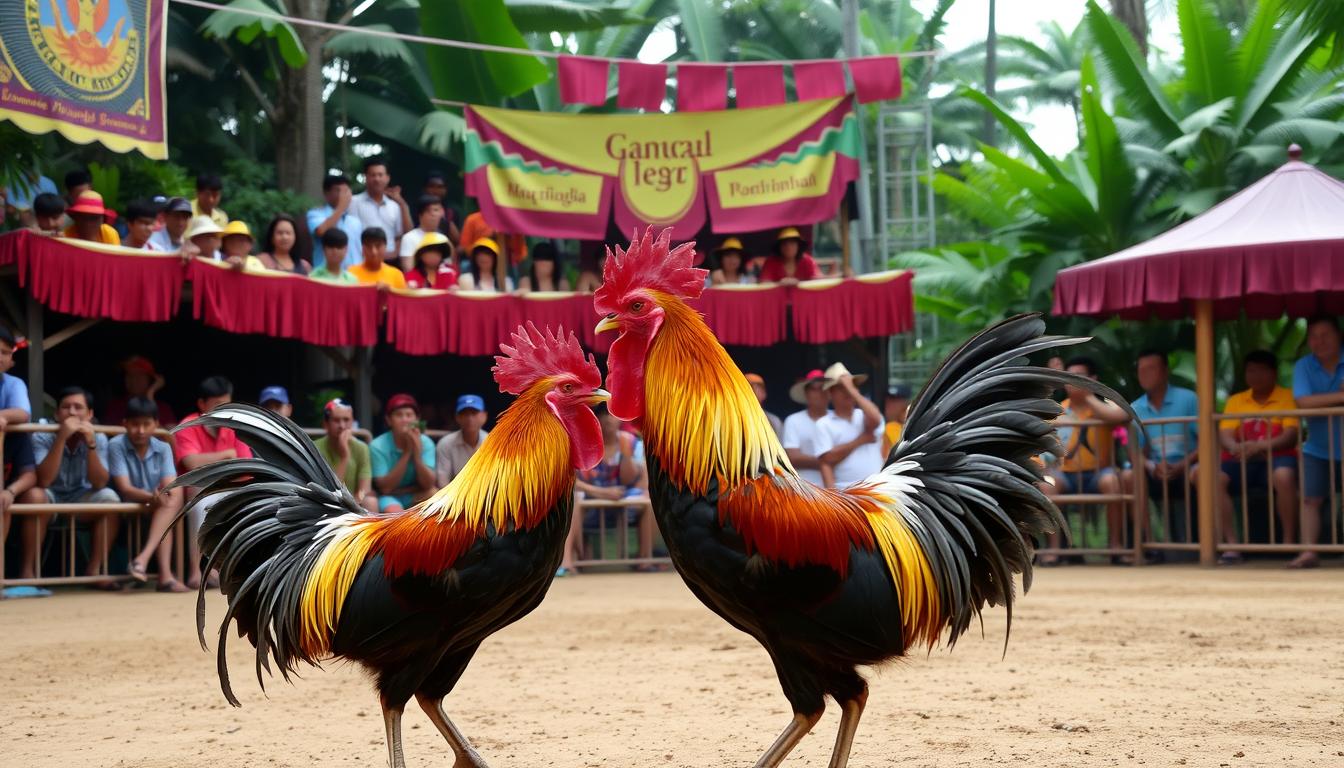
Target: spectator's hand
column 6, row 498
column 155, row 386
column 343, row 203
column 236, row 262
column 613, row 493
column 68, row 427
column 343, row 442
column 85, row 429
column 846, row 270
column 394, row 192
column 788, row 281
column 4, row 423
column 865, row 438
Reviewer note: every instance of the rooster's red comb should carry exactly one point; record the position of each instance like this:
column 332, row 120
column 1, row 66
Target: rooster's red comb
column 537, row 354
column 652, row 264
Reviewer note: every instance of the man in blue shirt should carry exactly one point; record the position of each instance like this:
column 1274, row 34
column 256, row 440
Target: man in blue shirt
column 336, row 214
column 1318, row 382
column 402, row 457
column 1169, row 450
column 14, row 406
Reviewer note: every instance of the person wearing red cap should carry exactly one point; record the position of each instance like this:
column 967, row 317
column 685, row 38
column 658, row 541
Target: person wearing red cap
column 402, row 457
column 802, row 436
column 140, row 379
column 89, row 219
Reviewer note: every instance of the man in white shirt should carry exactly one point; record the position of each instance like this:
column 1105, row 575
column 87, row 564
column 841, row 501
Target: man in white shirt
column 802, row 435
column 380, row 205
column 851, row 433
column 176, row 219
column 430, row 213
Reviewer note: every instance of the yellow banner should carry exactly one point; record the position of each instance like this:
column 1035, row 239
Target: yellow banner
column 558, row 193
column 767, row 185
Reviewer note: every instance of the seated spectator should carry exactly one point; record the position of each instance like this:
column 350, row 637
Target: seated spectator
column 850, row 433
column 236, row 245
column 546, row 272
column 620, row 475
column 77, row 182
column 88, row 215
column 475, row 229
column 1261, row 445
column 141, row 468
column 198, row 446
column 436, row 186
column 48, row 215
column 430, row 266
column 284, row 246
column 374, row 269
column 336, row 214
column 203, row 238
column 402, row 457
column 71, row 466
column 802, row 438
column 729, row 264
column 455, row 448
column 1087, row 466
column 209, row 189
column 591, row 279
column 758, row 386
column 139, row 379
column 19, row 477
column 380, row 205
column 334, row 244
column 177, row 214
column 791, row 262
column 140, row 219
column 1318, row 382
column 14, row 405
column 894, row 410
column 276, row 400
column 1170, row 450
column 347, row 454
column 481, row 276
column 429, row 213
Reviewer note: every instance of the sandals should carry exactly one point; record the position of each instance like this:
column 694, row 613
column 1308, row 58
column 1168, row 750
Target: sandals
column 1304, row 561
column 138, row 573
column 1231, row 558
column 171, row 586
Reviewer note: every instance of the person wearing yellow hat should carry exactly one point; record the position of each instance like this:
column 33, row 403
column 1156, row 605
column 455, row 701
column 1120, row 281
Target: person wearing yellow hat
column 432, row 267
column 791, row 262
column 729, row 263
column 237, row 246
column 481, row 277
column 88, row 215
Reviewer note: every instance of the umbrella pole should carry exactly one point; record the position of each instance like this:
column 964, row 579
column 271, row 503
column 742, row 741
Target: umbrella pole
column 1208, row 443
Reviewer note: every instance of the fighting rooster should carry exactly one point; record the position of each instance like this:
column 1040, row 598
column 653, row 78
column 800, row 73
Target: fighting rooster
column 309, row 575
column 830, row 580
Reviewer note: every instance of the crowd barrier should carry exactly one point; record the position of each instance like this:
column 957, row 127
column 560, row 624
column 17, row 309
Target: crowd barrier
column 642, row 503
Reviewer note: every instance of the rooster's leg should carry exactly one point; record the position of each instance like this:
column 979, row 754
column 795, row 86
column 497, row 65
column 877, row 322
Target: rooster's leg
column 850, row 710
column 797, row 728
column 466, row 754
column 392, row 721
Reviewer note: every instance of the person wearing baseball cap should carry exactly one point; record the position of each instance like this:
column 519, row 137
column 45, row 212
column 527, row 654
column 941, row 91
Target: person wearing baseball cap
column 402, row 457
column 89, row 217
column 455, row 448
column 851, row 433
column 140, row 379
column 802, row 437
column 176, row 219
column 758, row 386
column 347, row 454
column 276, row 400
column 791, row 261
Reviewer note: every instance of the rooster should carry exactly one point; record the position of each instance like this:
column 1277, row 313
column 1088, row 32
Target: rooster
column 309, row 575
column 829, row 580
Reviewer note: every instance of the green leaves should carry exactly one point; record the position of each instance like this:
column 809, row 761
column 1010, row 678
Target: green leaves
column 475, row 76
column 1207, row 46
column 1119, row 57
column 703, row 26
column 536, row 16
column 1107, row 163
column 247, row 28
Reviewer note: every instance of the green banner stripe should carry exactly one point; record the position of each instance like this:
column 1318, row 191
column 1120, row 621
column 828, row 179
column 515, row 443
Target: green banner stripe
column 844, row 139
column 478, row 153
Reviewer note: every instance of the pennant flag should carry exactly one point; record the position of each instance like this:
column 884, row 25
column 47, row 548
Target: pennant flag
column 759, row 85
column 819, row 80
column 641, row 86
column 702, row 87
column 583, row 80
column 876, row 78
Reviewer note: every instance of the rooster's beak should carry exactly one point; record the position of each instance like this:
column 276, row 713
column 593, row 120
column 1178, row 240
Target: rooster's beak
column 608, row 323
column 599, row 396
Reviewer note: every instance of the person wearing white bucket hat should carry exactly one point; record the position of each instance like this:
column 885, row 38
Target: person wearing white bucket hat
column 851, row 433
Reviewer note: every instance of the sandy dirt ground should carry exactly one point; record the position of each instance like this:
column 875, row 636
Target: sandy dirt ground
column 1107, row 667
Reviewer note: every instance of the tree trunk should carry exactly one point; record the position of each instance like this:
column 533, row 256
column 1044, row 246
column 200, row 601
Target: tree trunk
column 991, row 72
column 1134, row 15
column 299, row 128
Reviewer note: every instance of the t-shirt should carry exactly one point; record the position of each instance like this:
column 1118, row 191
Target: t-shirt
column 1085, row 449
column 1311, row 378
column 194, row 440
column 891, row 435
column 384, row 454
column 803, row 434
column 321, row 273
column 73, row 475
column 164, row 241
column 862, row 461
column 22, row 191
column 475, row 228
column 386, row 214
column 386, row 273
column 443, row 279
column 14, row 393
column 106, row 235
column 409, row 243
column 217, row 214
column 145, row 473
column 349, row 224
column 1247, row 430
column 1170, row 441
column 805, row 269
column 357, row 465
column 452, row 454
column 468, row 282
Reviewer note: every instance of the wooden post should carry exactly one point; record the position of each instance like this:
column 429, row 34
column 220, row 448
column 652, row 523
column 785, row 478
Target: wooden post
column 363, row 375
column 1208, row 443
column 36, row 361
column 844, row 237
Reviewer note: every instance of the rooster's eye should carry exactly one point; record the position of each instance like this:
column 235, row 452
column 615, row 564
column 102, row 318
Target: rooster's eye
column 636, row 306
column 567, row 389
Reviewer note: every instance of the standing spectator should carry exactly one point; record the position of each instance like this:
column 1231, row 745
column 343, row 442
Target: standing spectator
column 430, row 268
column 430, row 213
column 791, row 261
column 894, row 409
column 347, row 454
column 475, row 229
column 455, row 448
column 208, row 191
column 177, row 214
column 402, row 457
column 77, row 182
column 71, row 469
column 1318, row 382
column 729, row 262
column 336, row 215
column 436, row 185
column 802, row 435
column 197, row 446
column 141, row 468
column 204, row 239
column 285, row 245
column 850, row 433
column 48, row 215
column 276, row 400
column 19, row 477
column 758, row 387
column 89, row 214
column 140, row 218
column 334, row 245
column 23, row 193
column 1169, row 450
column 1087, row 466
column 374, row 269
column 381, row 205
column 140, row 379
column 481, row 276
column 545, row 273
column 1267, row 445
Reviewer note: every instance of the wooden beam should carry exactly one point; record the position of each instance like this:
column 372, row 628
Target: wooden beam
column 363, row 376
column 69, row 332
column 1208, row 443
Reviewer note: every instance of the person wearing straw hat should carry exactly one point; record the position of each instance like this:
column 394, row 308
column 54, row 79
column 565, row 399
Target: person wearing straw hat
column 729, row 262
column 802, row 434
column 237, row 246
column 791, row 262
column 851, row 433
column 89, row 217
column 203, row 237
column 432, row 267
column 481, row 277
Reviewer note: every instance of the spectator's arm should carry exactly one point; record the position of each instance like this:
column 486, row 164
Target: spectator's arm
column 49, row 465
column 21, row 484
column 629, row 470
column 127, row 492
column 363, row 488
column 194, row 460
column 841, row 452
column 801, row 460
column 1325, row 400
column 425, row 479
column 1285, row 439
column 1107, row 412
column 1227, row 437
column 387, row 484
column 97, row 463
column 15, row 415
column 1302, row 393
column 827, row 475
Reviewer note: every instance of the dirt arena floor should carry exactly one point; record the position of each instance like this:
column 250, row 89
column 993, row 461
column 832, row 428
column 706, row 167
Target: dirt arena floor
column 1107, row 667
